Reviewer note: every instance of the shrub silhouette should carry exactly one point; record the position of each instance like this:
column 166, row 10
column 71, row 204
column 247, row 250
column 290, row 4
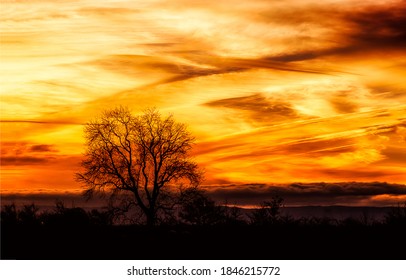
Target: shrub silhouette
column 268, row 213
column 100, row 218
column 9, row 215
column 397, row 215
column 233, row 216
column 29, row 215
column 197, row 209
column 65, row 217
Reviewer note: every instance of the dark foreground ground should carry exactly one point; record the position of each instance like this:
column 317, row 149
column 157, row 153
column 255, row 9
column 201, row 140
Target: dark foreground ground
column 289, row 242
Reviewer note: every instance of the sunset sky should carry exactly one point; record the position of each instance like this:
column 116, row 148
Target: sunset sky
column 275, row 92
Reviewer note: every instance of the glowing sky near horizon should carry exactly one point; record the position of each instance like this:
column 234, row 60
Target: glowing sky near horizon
column 274, row 91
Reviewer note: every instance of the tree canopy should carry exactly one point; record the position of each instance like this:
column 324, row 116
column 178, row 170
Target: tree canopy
column 142, row 154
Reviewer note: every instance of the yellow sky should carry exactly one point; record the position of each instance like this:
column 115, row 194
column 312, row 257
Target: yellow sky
column 274, row 91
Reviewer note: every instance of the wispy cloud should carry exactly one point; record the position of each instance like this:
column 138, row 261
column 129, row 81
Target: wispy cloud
column 25, row 154
column 42, row 148
column 273, row 91
column 258, row 107
column 50, row 122
column 24, row 160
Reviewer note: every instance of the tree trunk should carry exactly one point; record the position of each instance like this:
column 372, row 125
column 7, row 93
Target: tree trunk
column 151, row 218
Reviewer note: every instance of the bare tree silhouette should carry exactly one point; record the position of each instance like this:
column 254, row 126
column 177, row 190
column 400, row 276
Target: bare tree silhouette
column 144, row 155
column 269, row 212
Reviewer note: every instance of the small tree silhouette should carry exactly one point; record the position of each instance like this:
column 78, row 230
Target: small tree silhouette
column 268, row 213
column 143, row 155
column 397, row 215
column 9, row 214
column 29, row 215
column 198, row 209
column 62, row 216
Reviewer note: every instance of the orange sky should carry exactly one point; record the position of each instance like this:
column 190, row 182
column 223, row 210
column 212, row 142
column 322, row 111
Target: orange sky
column 274, row 91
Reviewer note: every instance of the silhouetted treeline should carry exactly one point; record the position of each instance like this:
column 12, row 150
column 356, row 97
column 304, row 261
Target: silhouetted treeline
column 30, row 215
column 199, row 211
column 198, row 229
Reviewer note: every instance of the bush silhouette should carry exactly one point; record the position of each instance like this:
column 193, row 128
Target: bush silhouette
column 397, row 215
column 9, row 215
column 268, row 213
column 65, row 217
column 29, row 215
column 197, row 209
